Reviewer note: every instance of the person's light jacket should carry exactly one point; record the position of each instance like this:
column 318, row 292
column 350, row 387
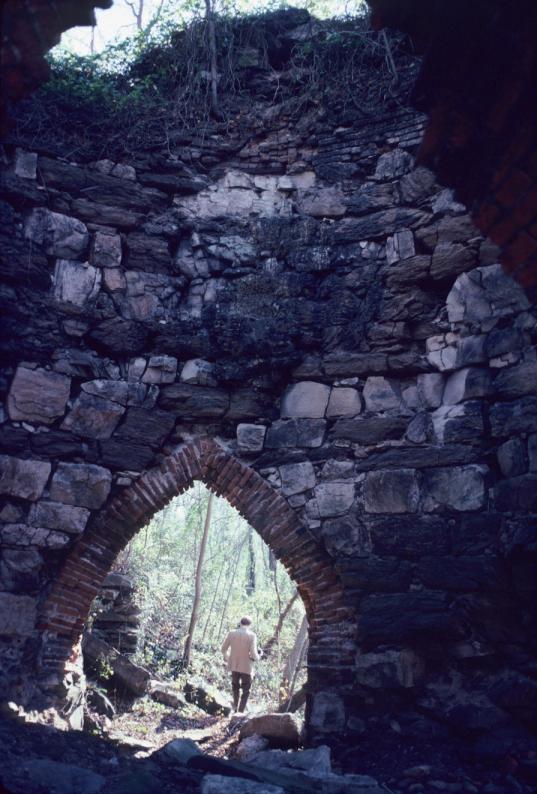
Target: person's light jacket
column 242, row 646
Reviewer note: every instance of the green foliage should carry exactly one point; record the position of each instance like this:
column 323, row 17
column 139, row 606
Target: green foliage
column 161, row 561
column 146, row 91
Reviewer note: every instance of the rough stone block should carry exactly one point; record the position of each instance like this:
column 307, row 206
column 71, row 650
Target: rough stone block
column 338, row 470
column 198, row 371
column 160, row 369
column 517, row 381
column 25, row 479
column 512, row 418
column 327, row 713
column 287, row 433
column 245, row 404
column 409, row 535
column 467, row 384
column 76, row 282
column 297, row 478
column 106, row 250
column 20, row 569
column 369, row 430
column 23, row 535
column 25, row 164
column 512, row 457
column 458, row 423
column 59, row 235
column 327, row 202
column 517, row 493
column 382, row 394
column 431, row 389
column 146, row 426
column 391, row 491
column 188, row 400
column 532, row 451
column 344, row 401
column 393, row 164
column 218, row 784
column 484, row 293
column 280, row 729
column 306, row 399
column 477, row 533
column 55, row 515
column 81, row 484
column 250, row 438
column 400, row 246
column 450, row 259
column 345, row 536
column 17, row 615
column 400, row 618
column 93, row 417
column 126, row 454
column 389, row 669
column 334, row 498
column 464, row 574
column 374, row 575
column 115, row 390
column 37, row 395
column 459, row 488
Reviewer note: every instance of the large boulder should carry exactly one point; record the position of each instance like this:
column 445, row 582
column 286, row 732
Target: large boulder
column 222, row 784
column 130, row 676
column 25, row 479
column 81, row 484
column 206, row 698
column 282, row 730
column 37, row 395
column 59, row 235
column 306, row 399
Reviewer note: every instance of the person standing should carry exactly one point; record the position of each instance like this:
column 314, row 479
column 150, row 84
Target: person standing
column 240, row 652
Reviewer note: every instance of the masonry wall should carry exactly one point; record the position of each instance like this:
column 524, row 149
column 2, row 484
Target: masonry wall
column 329, row 317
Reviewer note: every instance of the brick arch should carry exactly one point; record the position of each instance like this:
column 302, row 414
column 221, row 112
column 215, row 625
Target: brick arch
column 67, row 606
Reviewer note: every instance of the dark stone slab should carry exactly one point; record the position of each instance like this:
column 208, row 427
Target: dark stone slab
column 98, row 187
column 23, row 263
column 151, row 254
column 373, row 574
column 145, row 426
column 510, row 418
column 465, row 574
column 126, row 454
column 378, row 224
column 194, row 401
column 94, row 212
column 476, row 534
column 516, row 493
column 421, row 457
column 517, row 381
column 119, row 337
column 289, row 433
column 14, row 439
column 347, row 365
column 409, row 536
column 369, row 430
column 183, row 184
column 416, row 618
column 59, row 444
column 249, row 404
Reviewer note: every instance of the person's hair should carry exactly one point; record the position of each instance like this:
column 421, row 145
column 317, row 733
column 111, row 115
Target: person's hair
column 246, row 620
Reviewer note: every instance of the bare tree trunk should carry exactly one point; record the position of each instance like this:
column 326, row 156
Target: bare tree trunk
column 269, row 646
column 137, row 8
column 272, row 561
column 209, row 17
column 231, row 580
column 250, row 585
column 293, row 662
column 92, row 41
column 209, row 615
column 198, row 583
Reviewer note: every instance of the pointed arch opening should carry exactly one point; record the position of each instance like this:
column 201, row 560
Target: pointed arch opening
column 330, row 620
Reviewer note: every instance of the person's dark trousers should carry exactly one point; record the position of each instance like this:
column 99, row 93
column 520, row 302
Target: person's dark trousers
column 240, row 685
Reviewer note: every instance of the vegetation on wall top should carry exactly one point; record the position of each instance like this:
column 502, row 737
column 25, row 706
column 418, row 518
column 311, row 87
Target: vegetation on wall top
column 148, row 91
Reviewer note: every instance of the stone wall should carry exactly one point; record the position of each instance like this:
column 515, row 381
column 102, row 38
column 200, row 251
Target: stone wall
column 310, row 324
